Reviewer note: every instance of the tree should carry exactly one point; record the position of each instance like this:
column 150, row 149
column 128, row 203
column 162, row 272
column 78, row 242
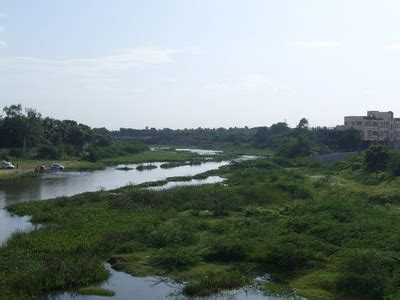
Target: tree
column 261, row 137
column 296, row 147
column 376, row 158
column 34, row 129
column 303, row 124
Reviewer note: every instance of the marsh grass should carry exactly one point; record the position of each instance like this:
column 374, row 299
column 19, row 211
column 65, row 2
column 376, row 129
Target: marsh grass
column 272, row 217
column 95, row 291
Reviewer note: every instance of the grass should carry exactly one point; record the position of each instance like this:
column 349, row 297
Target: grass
column 27, row 166
column 146, row 167
column 95, row 291
column 6, row 175
column 214, row 282
column 150, row 156
column 329, row 234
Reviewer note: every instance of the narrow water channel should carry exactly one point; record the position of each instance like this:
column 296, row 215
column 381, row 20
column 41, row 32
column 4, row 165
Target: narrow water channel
column 53, row 185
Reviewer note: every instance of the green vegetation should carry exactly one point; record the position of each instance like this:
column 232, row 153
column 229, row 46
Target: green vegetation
column 95, row 291
column 146, row 167
column 149, row 156
column 327, row 231
column 28, row 140
column 278, row 137
column 278, row 216
column 213, row 282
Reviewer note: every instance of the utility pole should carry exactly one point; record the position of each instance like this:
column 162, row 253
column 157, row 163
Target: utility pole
column 23, row 148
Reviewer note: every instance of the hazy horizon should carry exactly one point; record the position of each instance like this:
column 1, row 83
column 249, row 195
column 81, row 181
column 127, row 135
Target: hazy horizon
column 180, row 64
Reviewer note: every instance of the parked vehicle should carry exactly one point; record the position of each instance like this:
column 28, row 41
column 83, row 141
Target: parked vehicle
column 7, row 165
column 56, row 167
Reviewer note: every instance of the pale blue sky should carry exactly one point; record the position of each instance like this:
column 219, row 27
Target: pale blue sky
column 208, row 63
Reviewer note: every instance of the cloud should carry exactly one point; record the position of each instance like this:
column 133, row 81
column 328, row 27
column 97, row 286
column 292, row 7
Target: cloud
column 2, row 28
column 3, row 44
column 392, row 47
column 317, row 44
column 113, row 71
column 119, row 60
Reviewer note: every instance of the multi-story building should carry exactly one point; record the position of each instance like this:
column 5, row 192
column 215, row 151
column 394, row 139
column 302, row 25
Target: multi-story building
column 375, row 127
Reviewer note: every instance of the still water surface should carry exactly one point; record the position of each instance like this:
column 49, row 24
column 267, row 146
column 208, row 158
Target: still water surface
column 52, row 185
column 125, row 286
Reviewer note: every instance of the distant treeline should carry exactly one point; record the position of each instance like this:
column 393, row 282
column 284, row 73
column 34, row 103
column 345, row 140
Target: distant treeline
column 24, row 132
column 277, row 136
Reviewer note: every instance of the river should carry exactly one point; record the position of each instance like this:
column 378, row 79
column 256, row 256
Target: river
column 59, row 184
column 53, row 185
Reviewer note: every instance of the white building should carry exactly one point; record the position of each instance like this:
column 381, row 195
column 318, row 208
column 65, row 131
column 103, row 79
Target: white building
column 375, row 127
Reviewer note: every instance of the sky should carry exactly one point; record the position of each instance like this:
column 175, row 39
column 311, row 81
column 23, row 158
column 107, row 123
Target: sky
column 200, row 63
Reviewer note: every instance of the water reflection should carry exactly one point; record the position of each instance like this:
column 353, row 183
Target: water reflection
column 9, row 224
column 127, row 287
column 59, row 184
column 200, row 151
column 52, row 185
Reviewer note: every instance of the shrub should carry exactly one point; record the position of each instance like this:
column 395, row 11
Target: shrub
column 174, row 258
column 49, row 152
column 394, row 164
column 213, row 282
column 172, row 234
column 376, row 158
column 289, row 253
column 229, row 249
column 364, row 273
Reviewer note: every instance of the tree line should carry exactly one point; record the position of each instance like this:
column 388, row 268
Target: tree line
column 301, row 140
column 22, row 130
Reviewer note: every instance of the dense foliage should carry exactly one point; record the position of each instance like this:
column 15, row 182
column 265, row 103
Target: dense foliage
column 327, row 230
column 298, row 141
column 27, row 131
column 28, row 134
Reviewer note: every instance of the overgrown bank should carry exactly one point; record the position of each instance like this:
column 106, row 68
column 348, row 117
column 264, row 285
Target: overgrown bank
column 326, row 230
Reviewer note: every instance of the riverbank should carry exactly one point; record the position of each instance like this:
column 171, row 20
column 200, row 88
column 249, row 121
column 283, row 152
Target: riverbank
column 282, row 217
column 322, row 229
column 26, row 167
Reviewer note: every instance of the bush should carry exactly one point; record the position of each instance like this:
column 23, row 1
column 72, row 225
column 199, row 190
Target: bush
column 297, row 190
column 15, row 152
column 364, row 273
column 394, row 164
column 172, row 234
column 213, row 282
column 229, row 249
column 174, row 259
column 289, row 253
column 376, row 158
column 49, row 152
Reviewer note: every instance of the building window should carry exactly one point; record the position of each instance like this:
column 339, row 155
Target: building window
column 359, row 123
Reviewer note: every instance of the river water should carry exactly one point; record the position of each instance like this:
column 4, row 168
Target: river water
column 59, row 184
column 52, row 185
